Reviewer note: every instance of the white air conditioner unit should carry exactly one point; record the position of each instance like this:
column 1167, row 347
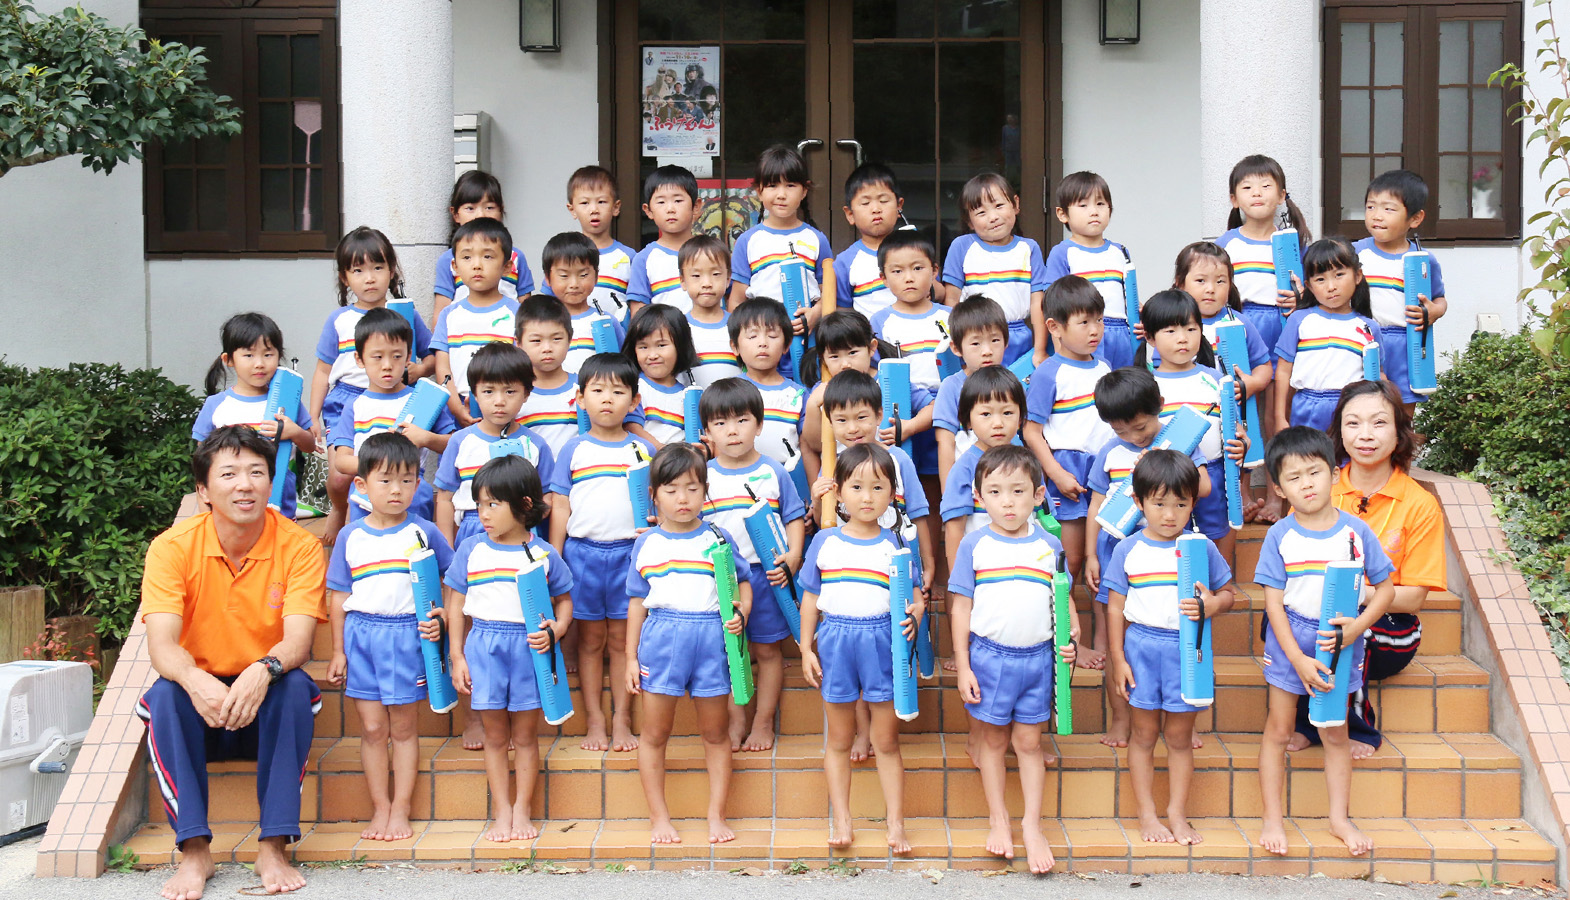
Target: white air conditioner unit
column 45, row 711
column 471, row 142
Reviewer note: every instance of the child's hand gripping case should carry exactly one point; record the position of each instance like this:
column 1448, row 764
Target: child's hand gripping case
column 737, row 651
column 283, row 393
column 1420, row 356
column 1287, row 252
column 1342, row 596
column 768, row 538
column 1197, row 671
column 901, row 590
column 894, row 384
column 426, row 578
column 550, row 668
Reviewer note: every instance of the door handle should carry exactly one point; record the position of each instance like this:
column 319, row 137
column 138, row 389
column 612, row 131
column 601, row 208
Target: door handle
column 854, row 147
column 808, row 144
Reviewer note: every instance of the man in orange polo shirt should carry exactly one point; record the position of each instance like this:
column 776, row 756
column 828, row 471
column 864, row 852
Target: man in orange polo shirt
column 231, row 598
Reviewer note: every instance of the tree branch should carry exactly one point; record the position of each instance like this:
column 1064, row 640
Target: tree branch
column 15, row 162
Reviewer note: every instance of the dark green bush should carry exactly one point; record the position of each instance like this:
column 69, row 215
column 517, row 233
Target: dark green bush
column 93, row 462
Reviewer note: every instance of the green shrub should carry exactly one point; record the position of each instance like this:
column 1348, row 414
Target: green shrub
column 93, row 462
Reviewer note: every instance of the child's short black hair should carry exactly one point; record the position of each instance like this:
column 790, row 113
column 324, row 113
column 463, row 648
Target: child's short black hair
column 654, row 318
column 499, row 363
column 986, row 385
column 542, row 308
column 973, row 314
column 780, row 164
column 388, row 450
column 851, row 388
column 1404, row 184
column 1326, row 255
column 1008, row 458
column 907, row 240
column 730, row 397
column 871, row 175
column 1299, row 440
column 702, row 245
column 1082, row 186
column 763, row 311
column 842, row 330
column 675, row 460
column 1165, row 471
column 232, row 439
column 514, row 481
column 1124, row 393
column 474, row 186
column 671, row 176
column 857, row 455
column 1070, row 296
column 612, row 367
column 1172, row 308
column 242, row 332
column 589, row 178
column 486, row 229
column 383, row 321
column 567, row 248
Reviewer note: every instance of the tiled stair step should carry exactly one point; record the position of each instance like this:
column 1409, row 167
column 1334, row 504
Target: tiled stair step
column 1426, row 850
column 1409, row 702
column 1419, row 776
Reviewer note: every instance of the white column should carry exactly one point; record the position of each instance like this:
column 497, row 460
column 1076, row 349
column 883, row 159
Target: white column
column 395, row 60
column 1260, row 93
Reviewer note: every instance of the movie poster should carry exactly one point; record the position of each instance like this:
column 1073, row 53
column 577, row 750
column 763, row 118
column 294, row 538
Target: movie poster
column 681, row 101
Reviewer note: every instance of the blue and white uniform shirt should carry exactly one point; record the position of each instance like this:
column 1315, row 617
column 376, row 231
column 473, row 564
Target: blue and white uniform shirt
column 716, row 358
column 461, row 330
column 335, row 347
column 1009, row 581
column 672, row 571
column 664, row 410
column 859, row 281
column 917, row 336
column 371, row 565
column 1145, row 572
column 756, row 258
column 1007, row 274
column 1062, row 399
column 849, row 575
column 1293, row 559
column 910, row 500
column 470, row 448
column 1325, row 349
column 780, row 438
column 1104, row 267
column 1198, row 389
column 1253, row 268
column 732, row 493
column 552, row 414
column 372, row 413
column 656, row 278
column 581, row 346
column 516, row 282
column 592, row 475
column 486, row 573
column 1386, row 277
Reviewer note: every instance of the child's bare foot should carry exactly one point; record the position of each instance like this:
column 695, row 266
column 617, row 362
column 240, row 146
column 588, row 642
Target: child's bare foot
column 1273, row 838
column 190, row 879
column 1153, row 832
column 840, row 833
column 330, row 530
column 1297, row 742
column 572, row 664
column 861, row 748
column 1198, row 741
column 1183, row 831
column 719, row 830
column 501, row 827
column 949, row 665
column 399, row 828
column 738, row 727
column 1358, row 843
column 1089, row 657
column 596, row 738
column 473, row 733
column 1000, row 841
column 762, row 736
column 523, row 829
column 273, row 868
column 661, row 831
column 1117, row 734
column 1038, row 852
column 896, row 835
column 377, row 827
column 622, row 739
column 1361, row 750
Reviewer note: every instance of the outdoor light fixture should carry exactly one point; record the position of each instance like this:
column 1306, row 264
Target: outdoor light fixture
column 539, row 26
column 1119, row 21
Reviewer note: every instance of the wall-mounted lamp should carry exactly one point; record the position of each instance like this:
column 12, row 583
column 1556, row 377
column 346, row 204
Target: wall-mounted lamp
column 539, row 26
column 1119, row 21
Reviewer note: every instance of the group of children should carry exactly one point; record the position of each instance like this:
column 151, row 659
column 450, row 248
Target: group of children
column 1006, row 459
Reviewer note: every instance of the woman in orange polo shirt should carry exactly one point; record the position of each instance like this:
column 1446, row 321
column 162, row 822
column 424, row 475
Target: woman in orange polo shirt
column 1373, row 435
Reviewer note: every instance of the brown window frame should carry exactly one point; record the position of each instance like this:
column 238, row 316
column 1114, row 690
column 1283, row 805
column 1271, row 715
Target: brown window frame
column 1420, row 111
column 238, row 23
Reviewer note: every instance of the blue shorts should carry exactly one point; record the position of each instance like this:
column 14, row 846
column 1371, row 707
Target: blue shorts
column 599, row 578
column 337, row 398
column 1022, row 342
column 1078, row 464
column 501, row 666
column 385, row 663
column 1315, row 409
column 424, row 504
column 1392, row 361
column 1015, row 682
column 1117, row 343
column 924, row 452
column 1105, row 544
column 1158, row 669
column 857, row 656
column 766, row 624
column 1210, row 512
column 683, row 653
column 468, row 526
column 1278, row 669
column 1267, row 322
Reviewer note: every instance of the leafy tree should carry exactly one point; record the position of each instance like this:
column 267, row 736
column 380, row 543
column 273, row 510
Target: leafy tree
column 73, row 83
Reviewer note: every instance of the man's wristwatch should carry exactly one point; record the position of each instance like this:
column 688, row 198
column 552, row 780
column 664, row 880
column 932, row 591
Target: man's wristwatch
column 274, row 668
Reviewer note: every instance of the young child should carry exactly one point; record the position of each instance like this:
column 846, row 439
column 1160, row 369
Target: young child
column 1062, row 428
column 543, row 332
column 1258, row 189
column 253, row 347
column 1001, row 604
column 705, row 277
column 1392, row 212
column 670, row 200
column 491, row 660
column 1302, row 467
column 981, row 336
column 991, row 258
column 1144, row 604
column 593, row 529
column 991, row 406
column 781, row 184
column 845, row 582
column 760, row 334
column 1084, row 204
column 739, row 476
column 1129, row 401
column 477, row 195
column 376, row 641
column 368, row 270
column 660, row 344
column 912, row 323
column 594, row 203
column 673, row 634
column 571, row 266
column 1321, row 346
column 873, row 206
column 481, row 248
column 382, row 339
